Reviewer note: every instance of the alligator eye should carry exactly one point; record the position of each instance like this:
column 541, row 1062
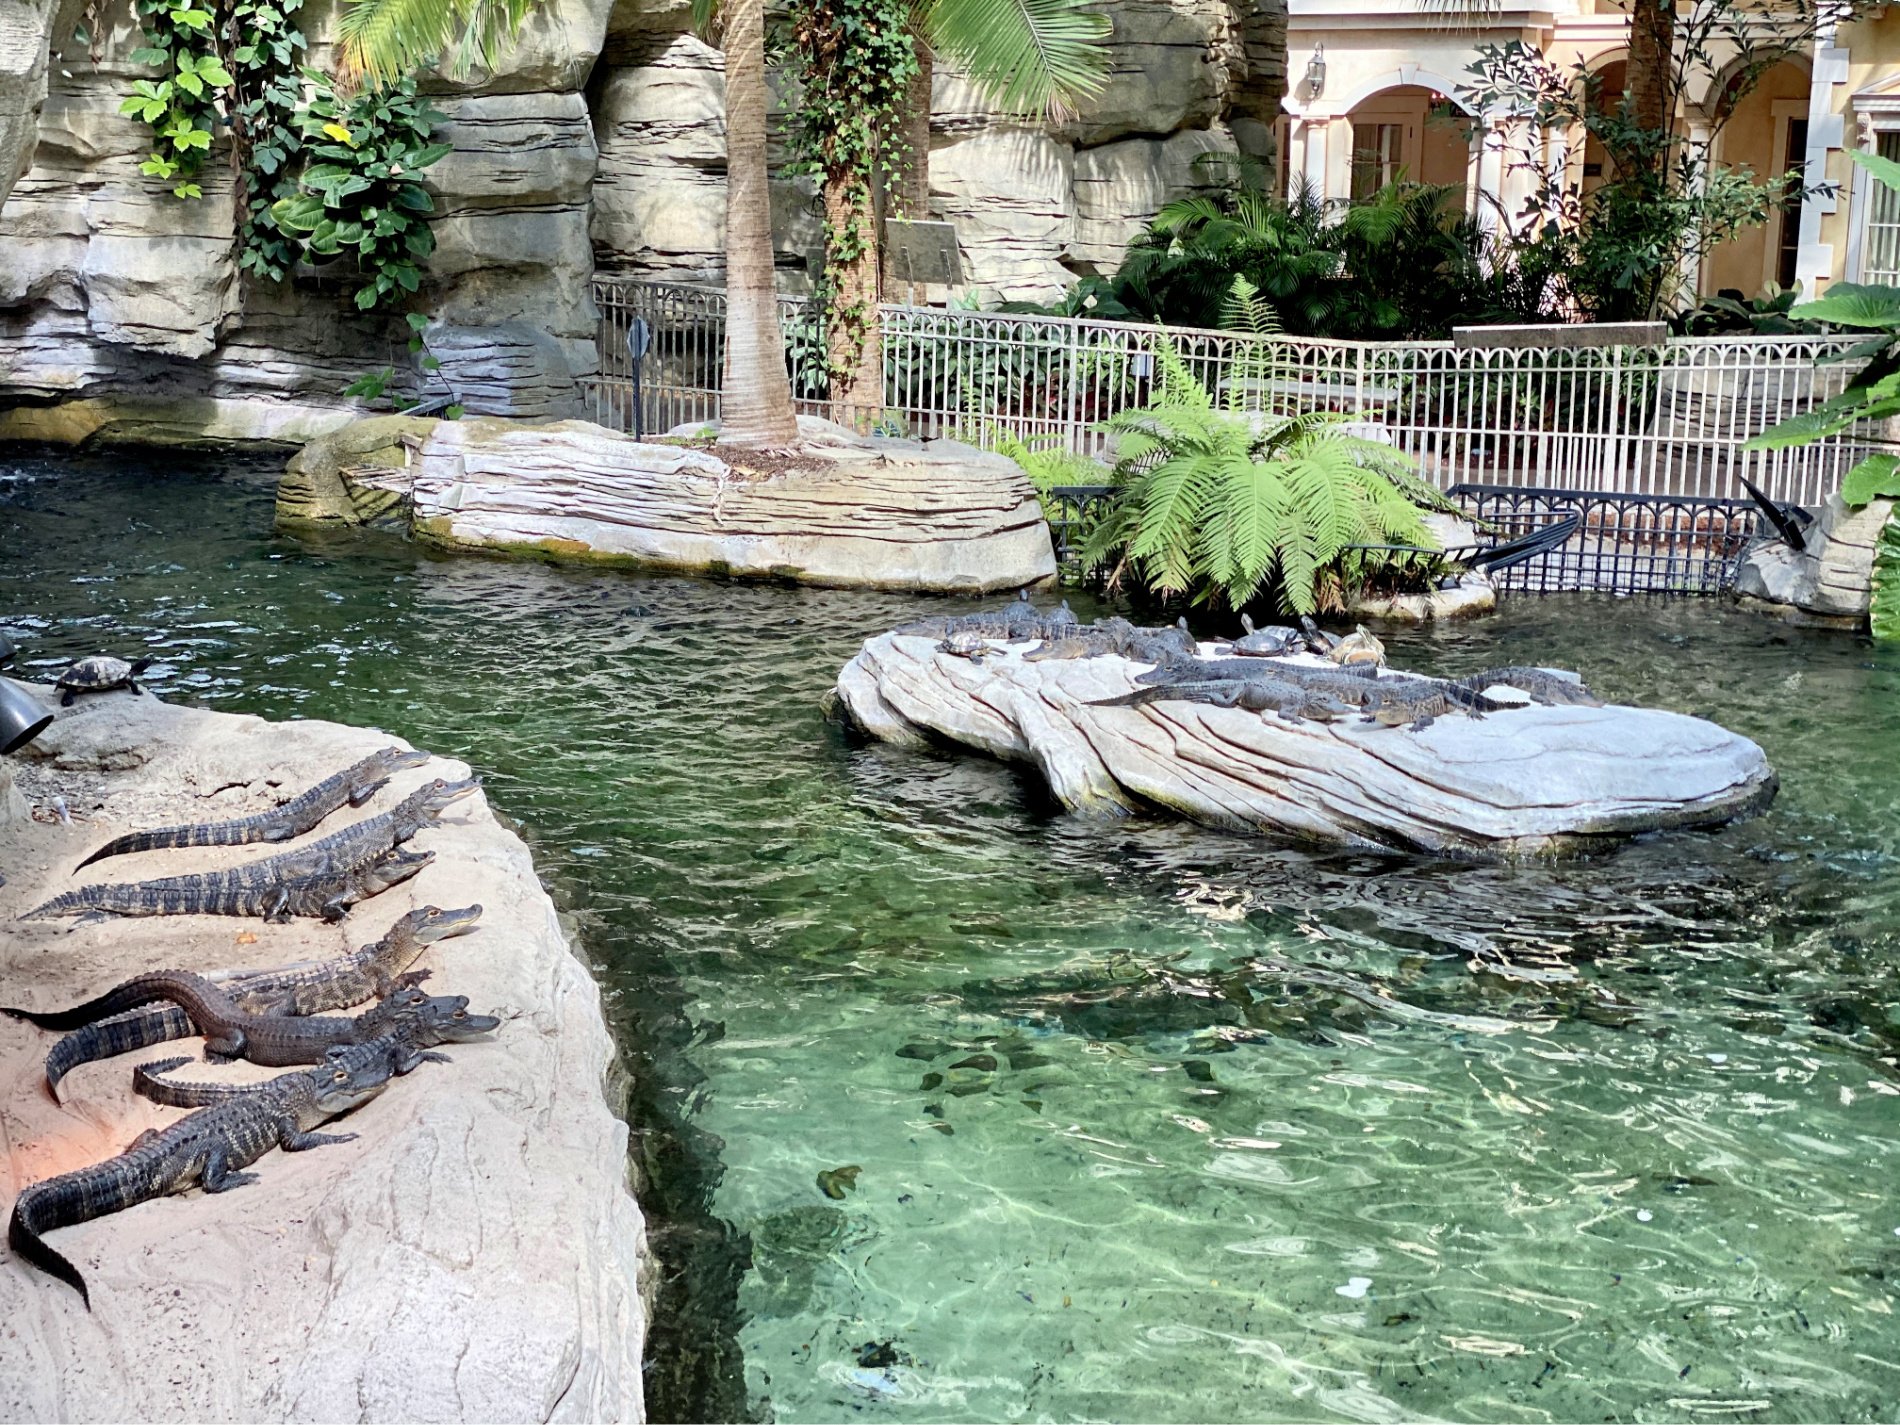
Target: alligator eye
column 340, row 1075
column 461, row 1014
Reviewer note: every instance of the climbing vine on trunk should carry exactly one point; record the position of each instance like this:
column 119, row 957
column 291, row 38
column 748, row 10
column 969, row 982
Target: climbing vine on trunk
column 182, row 105
column 854, row 60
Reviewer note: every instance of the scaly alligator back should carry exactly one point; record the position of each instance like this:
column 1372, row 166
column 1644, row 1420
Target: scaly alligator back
column 328, row 894
column 370, row 972
column 354, row 785
column 208, row 1148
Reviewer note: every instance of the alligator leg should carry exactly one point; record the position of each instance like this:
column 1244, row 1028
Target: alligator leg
column 149, row 1135
column 363, row 794
column 226, row 1046
column 274, row 913
column 218, row 1178
column 294, row 1142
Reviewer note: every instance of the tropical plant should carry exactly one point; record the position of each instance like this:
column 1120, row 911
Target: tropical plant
column 1221, row 502
column 358, row 196
column 1405, row 263
column 1870, row 401
column 1769, row 312
column 1045, row 459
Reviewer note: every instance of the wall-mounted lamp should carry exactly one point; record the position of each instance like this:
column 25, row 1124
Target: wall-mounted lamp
column 1316, row 72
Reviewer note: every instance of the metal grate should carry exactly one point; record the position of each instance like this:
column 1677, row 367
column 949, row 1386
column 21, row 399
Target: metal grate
column 1628, row 544
column 1642, row 420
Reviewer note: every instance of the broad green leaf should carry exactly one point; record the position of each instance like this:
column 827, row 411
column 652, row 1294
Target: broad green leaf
column 1876, row 477
column 1855, row 304
column 340, row 134
column 1883, row 613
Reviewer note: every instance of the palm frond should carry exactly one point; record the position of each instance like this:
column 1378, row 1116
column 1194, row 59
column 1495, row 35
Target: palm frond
column 1026, row 56
column 384, row 39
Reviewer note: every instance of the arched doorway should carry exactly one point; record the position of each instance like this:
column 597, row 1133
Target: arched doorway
column 1766, row 131
column 1408, row 131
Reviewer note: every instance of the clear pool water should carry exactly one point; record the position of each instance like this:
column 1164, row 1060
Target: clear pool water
column 1126, row 1121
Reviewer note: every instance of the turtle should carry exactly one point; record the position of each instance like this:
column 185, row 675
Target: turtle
column 1358, row 647
column 99, row 674
column 966, row 645
column 1266, row 642
column 1318, row 640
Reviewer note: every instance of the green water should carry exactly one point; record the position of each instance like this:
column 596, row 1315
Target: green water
column 1150, row 1123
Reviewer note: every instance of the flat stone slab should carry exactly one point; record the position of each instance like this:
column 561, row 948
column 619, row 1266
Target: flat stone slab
column 1526, row 780
column 474, row 1255
column 933, row 516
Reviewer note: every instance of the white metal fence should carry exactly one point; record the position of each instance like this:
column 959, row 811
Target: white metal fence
column 1623, row 420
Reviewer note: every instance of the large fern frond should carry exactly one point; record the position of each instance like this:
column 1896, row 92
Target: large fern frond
column 1026, row 56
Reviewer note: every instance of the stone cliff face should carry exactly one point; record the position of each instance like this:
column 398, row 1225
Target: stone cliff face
column 598, row 146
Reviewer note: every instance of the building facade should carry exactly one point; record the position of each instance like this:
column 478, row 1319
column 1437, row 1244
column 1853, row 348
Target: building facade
column 1376, row 90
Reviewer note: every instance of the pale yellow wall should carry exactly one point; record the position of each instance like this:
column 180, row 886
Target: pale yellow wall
column 1755, row 139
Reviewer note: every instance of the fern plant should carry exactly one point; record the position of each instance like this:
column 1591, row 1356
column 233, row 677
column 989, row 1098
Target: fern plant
column 1222, row 501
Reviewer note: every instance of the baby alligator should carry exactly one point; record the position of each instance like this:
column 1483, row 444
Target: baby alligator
column 372, row 972
column 278, row 886
column 206, row 1149
column 354, row 785
column 407, row 1044
column 1542, row 686
column 1254, row 694
column 232, row 1032
column 328, row 895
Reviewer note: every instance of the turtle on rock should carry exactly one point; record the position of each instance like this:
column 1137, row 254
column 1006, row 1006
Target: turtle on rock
column 1266, row 642
column 99, row 674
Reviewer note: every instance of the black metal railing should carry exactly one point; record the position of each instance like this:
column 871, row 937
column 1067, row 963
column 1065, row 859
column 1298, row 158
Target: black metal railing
column 1625, row 544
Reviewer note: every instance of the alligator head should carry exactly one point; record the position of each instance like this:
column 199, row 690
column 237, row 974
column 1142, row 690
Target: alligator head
column 432, row 923
column 344, row 1082
column 447, row 1018
column 395, row 759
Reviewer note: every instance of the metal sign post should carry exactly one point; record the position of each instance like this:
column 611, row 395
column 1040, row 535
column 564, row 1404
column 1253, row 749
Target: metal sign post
column 639, row 338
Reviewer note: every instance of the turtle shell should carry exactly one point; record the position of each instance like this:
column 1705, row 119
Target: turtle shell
column 96, row 674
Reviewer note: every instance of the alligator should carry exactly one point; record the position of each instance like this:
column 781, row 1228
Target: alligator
column 327, row 895
column 371, row 972
column 1263, row 695
column 277, row 886
column 1119, row 638
column 354, row 786
column 1392, row 703
column 1541, row 684
column 207, row 1149
column 1018, row 623
column 232, row 1032
column 408, row 1045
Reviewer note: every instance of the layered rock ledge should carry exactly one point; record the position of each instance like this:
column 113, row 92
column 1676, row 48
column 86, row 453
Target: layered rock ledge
column 929, row 516
column 474, row 1255
column 1522, row 781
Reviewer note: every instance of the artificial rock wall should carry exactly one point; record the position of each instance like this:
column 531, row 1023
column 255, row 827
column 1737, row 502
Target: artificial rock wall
column 597, row 145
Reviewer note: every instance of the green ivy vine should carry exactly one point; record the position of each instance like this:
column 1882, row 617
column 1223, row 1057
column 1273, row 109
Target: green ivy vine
column 181, row 107
column 854, row 60
column 265, row 52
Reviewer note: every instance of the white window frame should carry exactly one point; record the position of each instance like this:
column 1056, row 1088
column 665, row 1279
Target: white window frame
column 1875, row 116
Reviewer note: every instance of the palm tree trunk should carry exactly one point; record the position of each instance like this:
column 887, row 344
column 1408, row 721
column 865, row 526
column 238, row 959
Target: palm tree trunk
column 756, row 396
column 1651, row 68
column 854, row 352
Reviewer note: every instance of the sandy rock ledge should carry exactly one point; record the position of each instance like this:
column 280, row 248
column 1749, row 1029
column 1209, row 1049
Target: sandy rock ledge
column 474, row 1255
column 1523, row 781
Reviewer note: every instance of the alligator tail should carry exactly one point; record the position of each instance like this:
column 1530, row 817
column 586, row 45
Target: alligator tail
column 161, row 838
column 112, row 1037
column 146, row 1081
column 66, row 903
column 23, row 1237
column 141, row 990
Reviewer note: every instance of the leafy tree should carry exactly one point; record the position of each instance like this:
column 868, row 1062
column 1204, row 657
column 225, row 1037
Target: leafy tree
column 1222, row 502
column 1616, row 250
